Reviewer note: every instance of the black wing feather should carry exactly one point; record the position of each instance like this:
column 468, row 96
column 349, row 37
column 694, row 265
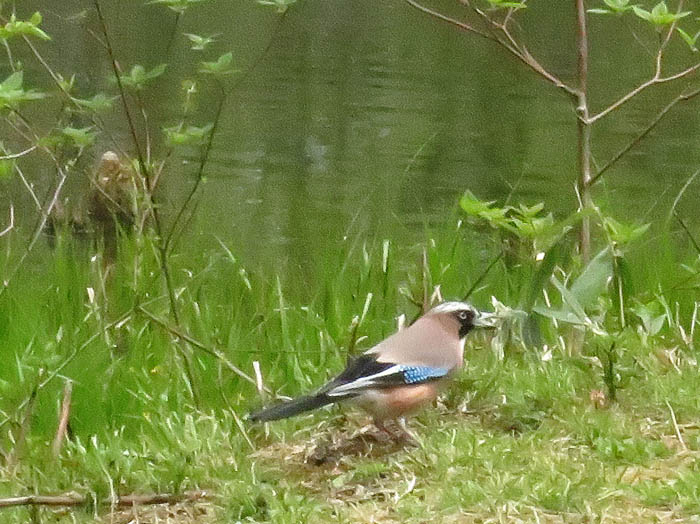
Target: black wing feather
column 362, row 366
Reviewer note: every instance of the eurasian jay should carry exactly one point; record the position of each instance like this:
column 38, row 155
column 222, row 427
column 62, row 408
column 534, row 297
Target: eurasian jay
column 401, row 373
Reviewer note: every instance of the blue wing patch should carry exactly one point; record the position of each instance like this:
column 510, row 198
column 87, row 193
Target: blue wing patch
column 418, row 374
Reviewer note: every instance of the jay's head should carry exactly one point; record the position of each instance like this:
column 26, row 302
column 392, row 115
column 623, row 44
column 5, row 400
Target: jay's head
column 464, row 317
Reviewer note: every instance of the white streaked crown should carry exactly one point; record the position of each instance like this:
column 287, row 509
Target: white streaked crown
column 452, row 307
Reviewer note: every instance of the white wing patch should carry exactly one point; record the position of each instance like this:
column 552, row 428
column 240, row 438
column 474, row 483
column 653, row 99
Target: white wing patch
column 363, row 383
column 408, row 375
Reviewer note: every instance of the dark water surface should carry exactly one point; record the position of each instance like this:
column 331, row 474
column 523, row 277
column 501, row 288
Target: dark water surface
column 367, row 117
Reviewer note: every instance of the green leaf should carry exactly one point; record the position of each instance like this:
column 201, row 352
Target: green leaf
column 179, row 6
column 80, row 137
column 12, row 93
column 13, row 82
column 199, row 43
column 473, row 206
column 559, row 314
column 552, row 258
column 222, row 66
column 138, row 77
column 618, row 6
column 503, row 4
column 98, row 103
column 6, row 169
column 532, row 211
column 651, row 315
column 23, row 28
column 621, row 233
column 592, row 282
column 191, row 135
column 690, row 40
column 622, row 286
column 280, row 5
column 659, row 15
column 570, row 300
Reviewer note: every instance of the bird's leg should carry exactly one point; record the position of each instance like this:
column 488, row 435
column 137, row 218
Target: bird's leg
column 386, row 431
column 406, row 436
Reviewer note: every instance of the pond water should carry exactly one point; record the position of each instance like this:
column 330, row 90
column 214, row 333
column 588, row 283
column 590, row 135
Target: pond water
column 370, row 118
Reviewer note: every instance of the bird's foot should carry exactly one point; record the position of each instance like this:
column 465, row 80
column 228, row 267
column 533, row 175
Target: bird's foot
column 399, row 435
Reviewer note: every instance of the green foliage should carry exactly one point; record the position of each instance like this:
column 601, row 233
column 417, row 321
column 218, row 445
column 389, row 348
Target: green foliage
column 200, row 43
column 7, row 168
column 191, row 135
column 690, row 40
column 80, row 137
column 659, row 15
column 524, row 222
column 516, row 432
column 29, row 27
column 506, row 4
column 98, row 103
column 12, row 94
column 622, row 234
column 613, row 7
column 139, row 77
column 279, row 5
column 179, row 6
column 221, row 67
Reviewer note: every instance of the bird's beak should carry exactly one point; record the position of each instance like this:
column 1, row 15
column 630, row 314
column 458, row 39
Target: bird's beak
column 486, row 320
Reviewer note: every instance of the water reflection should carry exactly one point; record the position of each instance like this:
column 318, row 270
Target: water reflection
column 368, row 113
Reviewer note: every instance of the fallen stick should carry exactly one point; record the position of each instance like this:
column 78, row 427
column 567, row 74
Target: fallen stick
column 74, row 499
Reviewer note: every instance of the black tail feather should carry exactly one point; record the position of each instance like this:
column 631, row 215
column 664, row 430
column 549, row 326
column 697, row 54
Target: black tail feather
column 291, row 408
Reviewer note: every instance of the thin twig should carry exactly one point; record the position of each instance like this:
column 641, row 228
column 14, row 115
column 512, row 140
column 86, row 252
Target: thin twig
column 63, row 419
column 210, row 139
column 18, row 155
column 37, row 232
column 202, row 347
column 510, row 44
column 200, row 172
column 682, row 191
column 122, row 92
column 461, row 25
column 11, row 225
column 675, row 427
column 73, row 499
column 687, row 231
column 481, row 278
column 680, row 98
column 144, row 169
column 656, row 79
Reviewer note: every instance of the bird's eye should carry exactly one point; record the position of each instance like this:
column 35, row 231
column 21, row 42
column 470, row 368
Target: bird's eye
column 462, row 315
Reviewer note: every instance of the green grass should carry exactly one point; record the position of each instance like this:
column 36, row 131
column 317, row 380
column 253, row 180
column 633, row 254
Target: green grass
column 514, row 440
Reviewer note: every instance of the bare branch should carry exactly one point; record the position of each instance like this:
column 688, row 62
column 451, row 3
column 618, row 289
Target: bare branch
column 28, row 186
column 12, row 222
column 461, row 25
column 74, row 499
column 18, row 155
column 680, row 98
column 656, row 79
column 39, row 228
column 510, row 44
column 667, row 38
column 199, row 345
